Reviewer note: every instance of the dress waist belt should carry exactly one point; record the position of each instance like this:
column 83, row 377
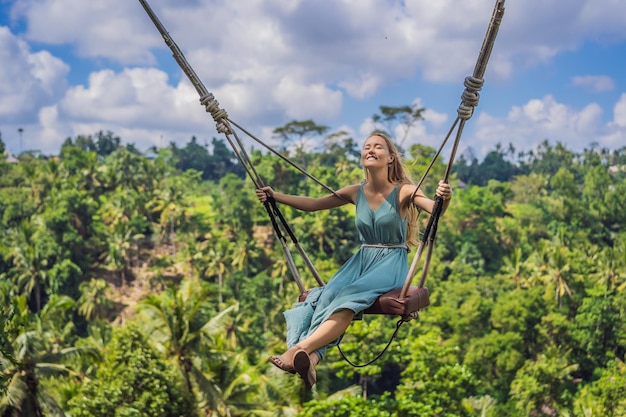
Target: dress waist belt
column 386, row 246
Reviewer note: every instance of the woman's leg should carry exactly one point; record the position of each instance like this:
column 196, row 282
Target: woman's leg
column 302, row 358
column 327, row 332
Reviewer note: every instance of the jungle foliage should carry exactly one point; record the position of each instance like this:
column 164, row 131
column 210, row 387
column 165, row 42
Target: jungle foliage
column 137, row 284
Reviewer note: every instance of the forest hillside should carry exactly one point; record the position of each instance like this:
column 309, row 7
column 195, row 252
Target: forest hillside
column 151, row 284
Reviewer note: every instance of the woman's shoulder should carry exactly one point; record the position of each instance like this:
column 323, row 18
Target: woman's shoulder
column 350, row 191
column 406, row 190
column 406, row 187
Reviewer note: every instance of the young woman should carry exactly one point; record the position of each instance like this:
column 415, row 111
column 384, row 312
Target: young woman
column 386, row 220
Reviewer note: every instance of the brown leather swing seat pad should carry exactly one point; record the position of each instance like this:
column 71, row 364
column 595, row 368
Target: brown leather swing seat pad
column 391, row 304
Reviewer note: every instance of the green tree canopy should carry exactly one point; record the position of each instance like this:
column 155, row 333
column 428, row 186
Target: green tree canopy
column 132, row 381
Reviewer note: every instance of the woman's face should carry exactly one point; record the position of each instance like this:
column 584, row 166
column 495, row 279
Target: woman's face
column 375, row 152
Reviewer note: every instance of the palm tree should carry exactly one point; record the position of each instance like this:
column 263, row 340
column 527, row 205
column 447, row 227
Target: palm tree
column 83, row 167
column 49, row 179
column 168, row 203
column 621, row 262
column 95, row 301
column 120, row 215
column 243, row 253
column 611, row 262
column 120, row 248
column 541, row 384
column 30, row 264
column 514, row 266
column 210, row 261
column 279, row 269
column 237, row 382
column 37, row 350
column 555, row 267
column 31, row 179
column 217, row 263
column 181, row 324
column 317, row 227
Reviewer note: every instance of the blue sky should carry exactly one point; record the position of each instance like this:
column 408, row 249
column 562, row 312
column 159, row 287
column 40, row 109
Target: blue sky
column 74, row 67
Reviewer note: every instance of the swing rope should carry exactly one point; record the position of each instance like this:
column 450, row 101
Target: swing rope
column 224, row 125
column 469, row 100
column 363, row 365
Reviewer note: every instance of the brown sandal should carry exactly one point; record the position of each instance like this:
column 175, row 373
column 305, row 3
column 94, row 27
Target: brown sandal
column 302, row 365
column 311, row 377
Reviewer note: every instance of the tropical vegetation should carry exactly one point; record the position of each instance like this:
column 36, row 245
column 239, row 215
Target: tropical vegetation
column 152, row 284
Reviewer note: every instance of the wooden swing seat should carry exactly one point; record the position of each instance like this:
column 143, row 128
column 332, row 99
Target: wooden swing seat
column 391, row 304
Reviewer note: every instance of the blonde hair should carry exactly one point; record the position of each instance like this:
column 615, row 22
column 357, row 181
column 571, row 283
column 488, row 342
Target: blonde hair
column 398, row 174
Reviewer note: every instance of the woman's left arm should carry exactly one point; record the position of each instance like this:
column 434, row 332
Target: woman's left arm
column 427, row 204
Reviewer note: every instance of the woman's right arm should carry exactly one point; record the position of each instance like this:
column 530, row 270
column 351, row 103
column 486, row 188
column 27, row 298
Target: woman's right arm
column 339, row 198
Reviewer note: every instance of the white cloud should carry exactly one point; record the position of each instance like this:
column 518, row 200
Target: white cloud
column 367, row 127
column 533, row 32
column 301, row 101
column 361, row 85
column 602, row 18
column 325, row 41
column 96, row 29
column 538, row 120
column 615, row 135
column 619, row 112
column 136, row 104
column 27, row 79
column 594, row 83
column 130, row 97
column 436, row 119
column 271, row 61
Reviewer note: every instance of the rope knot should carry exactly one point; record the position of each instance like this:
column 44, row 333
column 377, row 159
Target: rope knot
column 219, row 115
column 470, row 97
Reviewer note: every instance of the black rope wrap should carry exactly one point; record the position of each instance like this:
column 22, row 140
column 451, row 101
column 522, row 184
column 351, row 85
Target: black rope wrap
column 276, row 212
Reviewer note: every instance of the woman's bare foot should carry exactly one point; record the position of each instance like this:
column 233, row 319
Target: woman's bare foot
column 297, row 360
column 285, row 361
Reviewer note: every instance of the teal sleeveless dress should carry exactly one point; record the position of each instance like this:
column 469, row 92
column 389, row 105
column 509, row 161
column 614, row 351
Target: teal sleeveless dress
column 379, row 266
